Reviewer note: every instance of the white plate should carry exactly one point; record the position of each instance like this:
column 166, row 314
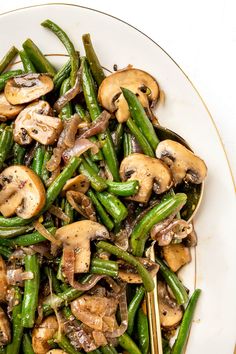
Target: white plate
column 116, row 42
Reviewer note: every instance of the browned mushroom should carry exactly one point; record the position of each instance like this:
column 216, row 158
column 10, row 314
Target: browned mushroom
column 176, row 255
column 40, row 335
column 22, row 192
column 27, row 88
column 138, row 81
column 152, row 174
column 79, row 183
column 77, row 236
column 3, row 280
column 129, row 274
column 8, row 110
column 170, row 312
column 5, row 329
column 183, row 163
column 34, row 123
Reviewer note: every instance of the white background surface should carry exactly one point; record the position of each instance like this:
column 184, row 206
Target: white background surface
column 200, row 35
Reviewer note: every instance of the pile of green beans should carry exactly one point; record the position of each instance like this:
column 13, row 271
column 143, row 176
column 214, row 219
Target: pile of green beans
column 45, row 288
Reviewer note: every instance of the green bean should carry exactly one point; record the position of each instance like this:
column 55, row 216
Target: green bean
column 102, row 214
column 26, row 240
column 44, row 171
column 68, row 45
column 97, row 182
column 10, row 232
column 95, row 111
column 185, row 326
column 66, row 296
column 82, row 113
column 27, row 344
column 65, row 344
column 94, row 64
column 158, row 213
column 133, row 308
column 66, row 111
column 61, row 75
column 27, row 64
column 57, row 185
column 144, row 144
column 6, row 141
column 5, row 252
column 127, row 144
column 144, row 274
column 113, row 206
column 143, row 331
column 8, row 57
column 3, row 350
column 108, row 349
column 174, row 283
column 118, row 137
column 54, row 281
column 140, row 117
column 123, row 189
column 69, row 211
column 35, row 55
column 104, row 267
column 19, row 154
column 128, row 344
column 96, row 351
column 17, row 328
column 8, row 75
column 38, row 160
column 30, row 299
column 91, row 163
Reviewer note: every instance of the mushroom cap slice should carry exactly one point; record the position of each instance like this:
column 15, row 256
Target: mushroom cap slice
column 78, row 236
column 170, row 312
column 184, row 164
column 138, row 81
column 44, row 332
column 151, row 173
column 176, row 255
column 22, row 192
column 7, row 109
column 3, row 280
column 5, row 328
column 129, row 274
column 27, row 87
column 34, row 123
column 78, row 183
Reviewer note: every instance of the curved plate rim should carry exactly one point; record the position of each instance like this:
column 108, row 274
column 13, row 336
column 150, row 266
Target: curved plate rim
column 149, row 38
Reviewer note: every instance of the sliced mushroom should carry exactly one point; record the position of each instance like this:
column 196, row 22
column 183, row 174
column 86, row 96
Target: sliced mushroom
column 138, row 81
column 78, row 236
column 3, row 280
column 151, row 173
column 176, row 255
column 183, row 163
column 20, row 134
column 79, row 183
column 129, row 274
column 27, row 88
column 22, row 192
column 56, row 351
column 5, row 329
column 8, row 110
column 40, row 335
column 34, row 123
column 170, row 312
